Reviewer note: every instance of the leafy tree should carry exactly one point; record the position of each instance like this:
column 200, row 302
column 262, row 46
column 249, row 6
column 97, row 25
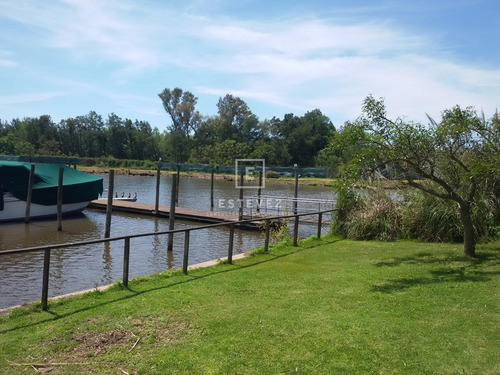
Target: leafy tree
column 236, row 121
column 452, row 159
column 180, row 105
column 305, row 136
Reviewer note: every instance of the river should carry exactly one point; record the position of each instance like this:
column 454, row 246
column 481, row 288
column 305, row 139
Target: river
column 89, row 266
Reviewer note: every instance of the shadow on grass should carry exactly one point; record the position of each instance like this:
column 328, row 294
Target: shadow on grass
column 192, row 277
column 426, row 257
column 436, row 277
column 468, row 272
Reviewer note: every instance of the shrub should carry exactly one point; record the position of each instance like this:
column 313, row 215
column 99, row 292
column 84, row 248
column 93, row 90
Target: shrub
column 378, row 217
column 272, row 174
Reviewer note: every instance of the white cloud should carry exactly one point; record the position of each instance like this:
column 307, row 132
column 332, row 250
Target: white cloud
column 26, row 98
column 295, row 63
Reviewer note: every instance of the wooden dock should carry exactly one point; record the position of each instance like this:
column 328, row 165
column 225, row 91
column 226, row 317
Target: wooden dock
column 181, row 213
column 188, row 214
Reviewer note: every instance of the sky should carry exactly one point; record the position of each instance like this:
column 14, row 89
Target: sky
column 65, row 58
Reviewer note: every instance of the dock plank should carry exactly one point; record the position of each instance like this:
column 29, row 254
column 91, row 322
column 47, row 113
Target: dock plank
column 183, row 213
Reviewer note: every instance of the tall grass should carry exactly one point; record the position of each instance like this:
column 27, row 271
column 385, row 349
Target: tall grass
column 374, row 215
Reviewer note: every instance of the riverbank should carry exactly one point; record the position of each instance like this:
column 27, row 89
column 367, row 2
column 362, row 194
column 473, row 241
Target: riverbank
column 309, row 181
column 327, row 306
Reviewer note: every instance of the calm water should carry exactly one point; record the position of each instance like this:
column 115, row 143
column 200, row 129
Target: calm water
column 85, row 267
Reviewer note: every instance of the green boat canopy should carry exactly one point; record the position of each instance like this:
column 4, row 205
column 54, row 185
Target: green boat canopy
column 77, row 186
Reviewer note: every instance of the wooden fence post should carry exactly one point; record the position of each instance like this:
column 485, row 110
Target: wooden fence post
column 45, row 280
column 320, row 217
column 295, row 230
column 126, row 261
column 186, row 252
column 266, row 243
column 231, row 242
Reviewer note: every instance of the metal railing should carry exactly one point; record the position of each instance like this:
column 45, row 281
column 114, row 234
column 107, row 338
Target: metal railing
column 278, row 205
column 187, row 232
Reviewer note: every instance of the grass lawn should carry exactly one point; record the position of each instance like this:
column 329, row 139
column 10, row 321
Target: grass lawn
column 327, row 307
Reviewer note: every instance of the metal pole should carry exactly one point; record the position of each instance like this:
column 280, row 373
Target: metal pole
column 212, row 190
column 171, row 214
column 126, row 261
column 45, row 285
column 320, row 217
column 231, row 242
column 30, row 192
column 60, row 198
column 186, row 253
column 109, row 207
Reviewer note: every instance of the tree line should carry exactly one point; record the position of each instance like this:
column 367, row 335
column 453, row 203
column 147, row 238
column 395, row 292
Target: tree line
column 234, row 132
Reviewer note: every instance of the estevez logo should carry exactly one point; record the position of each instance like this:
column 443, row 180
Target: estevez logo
column 250, row 169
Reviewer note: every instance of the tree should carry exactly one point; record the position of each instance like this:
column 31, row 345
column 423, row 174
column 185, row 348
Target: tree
column 236, row 121
column 180, row 105
column 452, row 159
column 305, row 136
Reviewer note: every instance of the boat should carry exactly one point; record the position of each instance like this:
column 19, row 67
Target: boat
column 79, row 189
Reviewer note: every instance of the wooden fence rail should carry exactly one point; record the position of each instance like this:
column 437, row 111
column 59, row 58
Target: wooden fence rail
column 187, row 232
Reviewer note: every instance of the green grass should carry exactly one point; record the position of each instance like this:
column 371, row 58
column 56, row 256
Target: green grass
column 327, row 307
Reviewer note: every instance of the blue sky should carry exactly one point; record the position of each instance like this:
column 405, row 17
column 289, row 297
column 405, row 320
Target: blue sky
column 66, row 58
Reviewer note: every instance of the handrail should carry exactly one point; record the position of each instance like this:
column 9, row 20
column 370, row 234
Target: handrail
column 119, row 238
column 266, row 219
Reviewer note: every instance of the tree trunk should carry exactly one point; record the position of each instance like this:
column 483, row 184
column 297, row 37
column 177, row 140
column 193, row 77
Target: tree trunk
column 469, row 233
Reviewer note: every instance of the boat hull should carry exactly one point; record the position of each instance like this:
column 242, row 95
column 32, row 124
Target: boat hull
column 15, row 209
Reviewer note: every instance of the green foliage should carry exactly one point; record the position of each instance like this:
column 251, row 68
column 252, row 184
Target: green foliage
column 372, row 216
column 453, row 159
column 428, row 218
column 348, row 200
column 272, row 174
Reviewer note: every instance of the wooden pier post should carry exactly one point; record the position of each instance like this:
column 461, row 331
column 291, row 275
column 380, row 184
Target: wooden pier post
column 60, row 198
column 171, row 215
column 109, row 207
column 212, row 190
column 296, row 192
column 30, row 192
column 157, row 200
column 177, row 186
column 259, row 191
column 240, row 212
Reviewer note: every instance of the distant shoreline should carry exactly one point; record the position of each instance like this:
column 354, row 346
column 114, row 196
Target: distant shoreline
column 309, row 181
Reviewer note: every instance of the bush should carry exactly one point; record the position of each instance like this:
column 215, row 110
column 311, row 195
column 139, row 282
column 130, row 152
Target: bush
column 428, row 218
column 272, row 174
column 377, row 217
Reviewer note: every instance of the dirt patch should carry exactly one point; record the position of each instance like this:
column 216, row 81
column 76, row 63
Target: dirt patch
column 95, row 343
